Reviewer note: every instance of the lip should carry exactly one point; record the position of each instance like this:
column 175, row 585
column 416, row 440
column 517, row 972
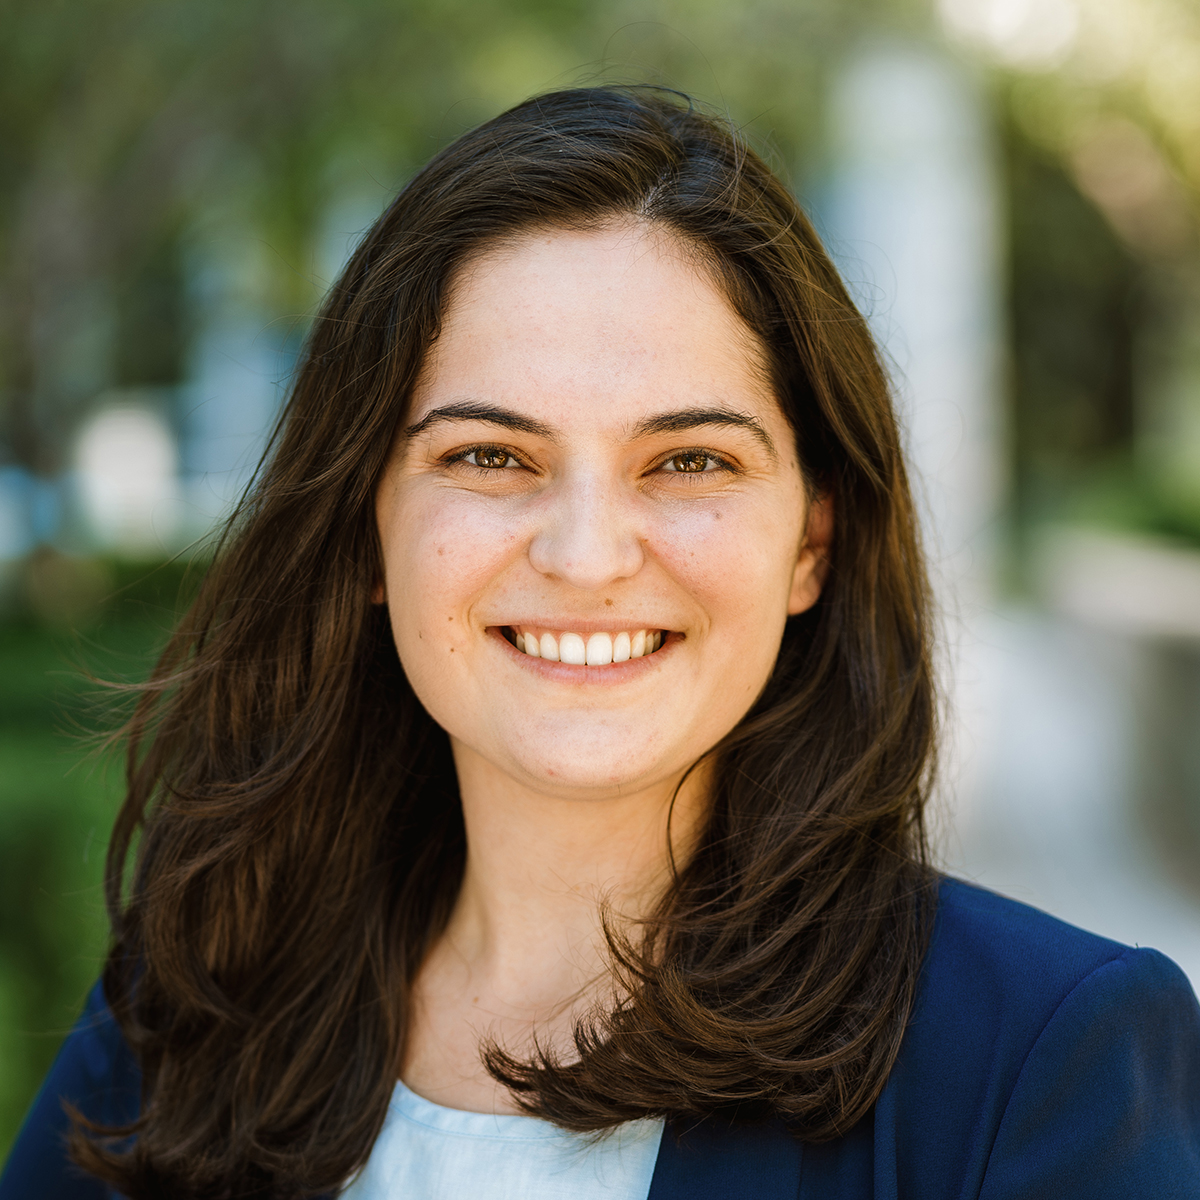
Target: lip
column 570, row 624
column 611, row 673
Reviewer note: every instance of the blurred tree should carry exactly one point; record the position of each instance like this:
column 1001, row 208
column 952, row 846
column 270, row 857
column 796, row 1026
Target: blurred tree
column 130, row 121
column 1103, row 108
column 1073, row 293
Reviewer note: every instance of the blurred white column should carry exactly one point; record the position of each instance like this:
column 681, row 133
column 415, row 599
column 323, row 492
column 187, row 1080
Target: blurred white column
column 912, row 219
column 914, row 225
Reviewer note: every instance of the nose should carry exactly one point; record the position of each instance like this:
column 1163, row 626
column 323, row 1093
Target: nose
column 588, row 537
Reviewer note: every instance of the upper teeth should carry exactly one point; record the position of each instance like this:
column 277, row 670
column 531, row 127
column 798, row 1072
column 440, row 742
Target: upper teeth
column 592, row 649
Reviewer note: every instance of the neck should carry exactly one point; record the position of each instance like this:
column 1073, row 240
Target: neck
column 541, row 867
column 523, row 954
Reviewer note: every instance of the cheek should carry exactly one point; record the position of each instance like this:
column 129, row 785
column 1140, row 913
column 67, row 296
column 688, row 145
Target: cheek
column 439, row 553
column 729, row 551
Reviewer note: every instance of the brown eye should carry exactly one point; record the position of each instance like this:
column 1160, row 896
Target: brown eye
column 690, row 461
column 490, row 458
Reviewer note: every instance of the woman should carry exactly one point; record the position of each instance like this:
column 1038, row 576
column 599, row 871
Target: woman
column 545, row 755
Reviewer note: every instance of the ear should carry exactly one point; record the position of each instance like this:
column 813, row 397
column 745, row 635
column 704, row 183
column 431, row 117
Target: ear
column 812, row 565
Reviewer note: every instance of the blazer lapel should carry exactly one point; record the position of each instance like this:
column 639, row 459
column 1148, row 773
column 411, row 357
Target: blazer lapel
column 714, row 1160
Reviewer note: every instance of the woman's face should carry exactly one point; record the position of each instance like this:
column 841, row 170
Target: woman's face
column 594, row 463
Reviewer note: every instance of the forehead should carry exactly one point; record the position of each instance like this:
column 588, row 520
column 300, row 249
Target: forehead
column 597, row 324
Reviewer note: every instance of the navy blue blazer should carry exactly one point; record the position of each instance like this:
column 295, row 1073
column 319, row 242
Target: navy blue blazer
column 1041, row 1063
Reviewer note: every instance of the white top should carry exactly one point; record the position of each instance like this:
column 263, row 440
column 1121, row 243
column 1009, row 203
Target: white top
column 427, row 1152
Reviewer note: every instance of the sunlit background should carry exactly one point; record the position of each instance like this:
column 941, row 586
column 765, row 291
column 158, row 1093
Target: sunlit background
column 1011, row 187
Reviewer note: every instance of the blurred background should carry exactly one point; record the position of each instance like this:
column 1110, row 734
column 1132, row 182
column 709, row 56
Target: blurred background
column 1011, row 187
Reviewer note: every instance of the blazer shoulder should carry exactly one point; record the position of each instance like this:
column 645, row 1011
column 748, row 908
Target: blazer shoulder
column 1030, row 1042
column 999, row 951
column 1010, row 970
column 1007, row 1003
column 995, row 973
column 1121, row 1057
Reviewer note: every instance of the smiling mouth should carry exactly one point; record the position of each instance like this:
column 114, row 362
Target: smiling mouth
column 578, row 649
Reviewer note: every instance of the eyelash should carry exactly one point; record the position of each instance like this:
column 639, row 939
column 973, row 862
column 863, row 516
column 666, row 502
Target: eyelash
column 461, row 456
column 719, row 462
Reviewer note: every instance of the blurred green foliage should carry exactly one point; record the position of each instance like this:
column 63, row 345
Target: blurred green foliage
column 1073, row 297
column 1086, row 311
column 1103, row 156
column 133, row 127
column 59, row 793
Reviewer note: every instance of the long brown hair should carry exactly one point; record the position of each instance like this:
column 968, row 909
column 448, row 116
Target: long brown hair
column 294, row 810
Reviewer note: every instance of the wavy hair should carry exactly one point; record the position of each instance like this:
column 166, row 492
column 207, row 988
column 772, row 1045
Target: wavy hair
column 292, row 838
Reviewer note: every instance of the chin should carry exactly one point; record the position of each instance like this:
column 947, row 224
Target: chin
column 596, row 781
column 594, row 773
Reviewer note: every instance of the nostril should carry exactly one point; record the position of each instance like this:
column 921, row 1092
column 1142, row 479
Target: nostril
column 585, row 556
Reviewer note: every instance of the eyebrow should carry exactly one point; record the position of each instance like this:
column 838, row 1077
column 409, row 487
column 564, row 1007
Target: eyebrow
column 493, row 414
column 692, row 418
column 678, row 421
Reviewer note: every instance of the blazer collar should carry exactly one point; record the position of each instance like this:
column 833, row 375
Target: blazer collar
column 716, row 1160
